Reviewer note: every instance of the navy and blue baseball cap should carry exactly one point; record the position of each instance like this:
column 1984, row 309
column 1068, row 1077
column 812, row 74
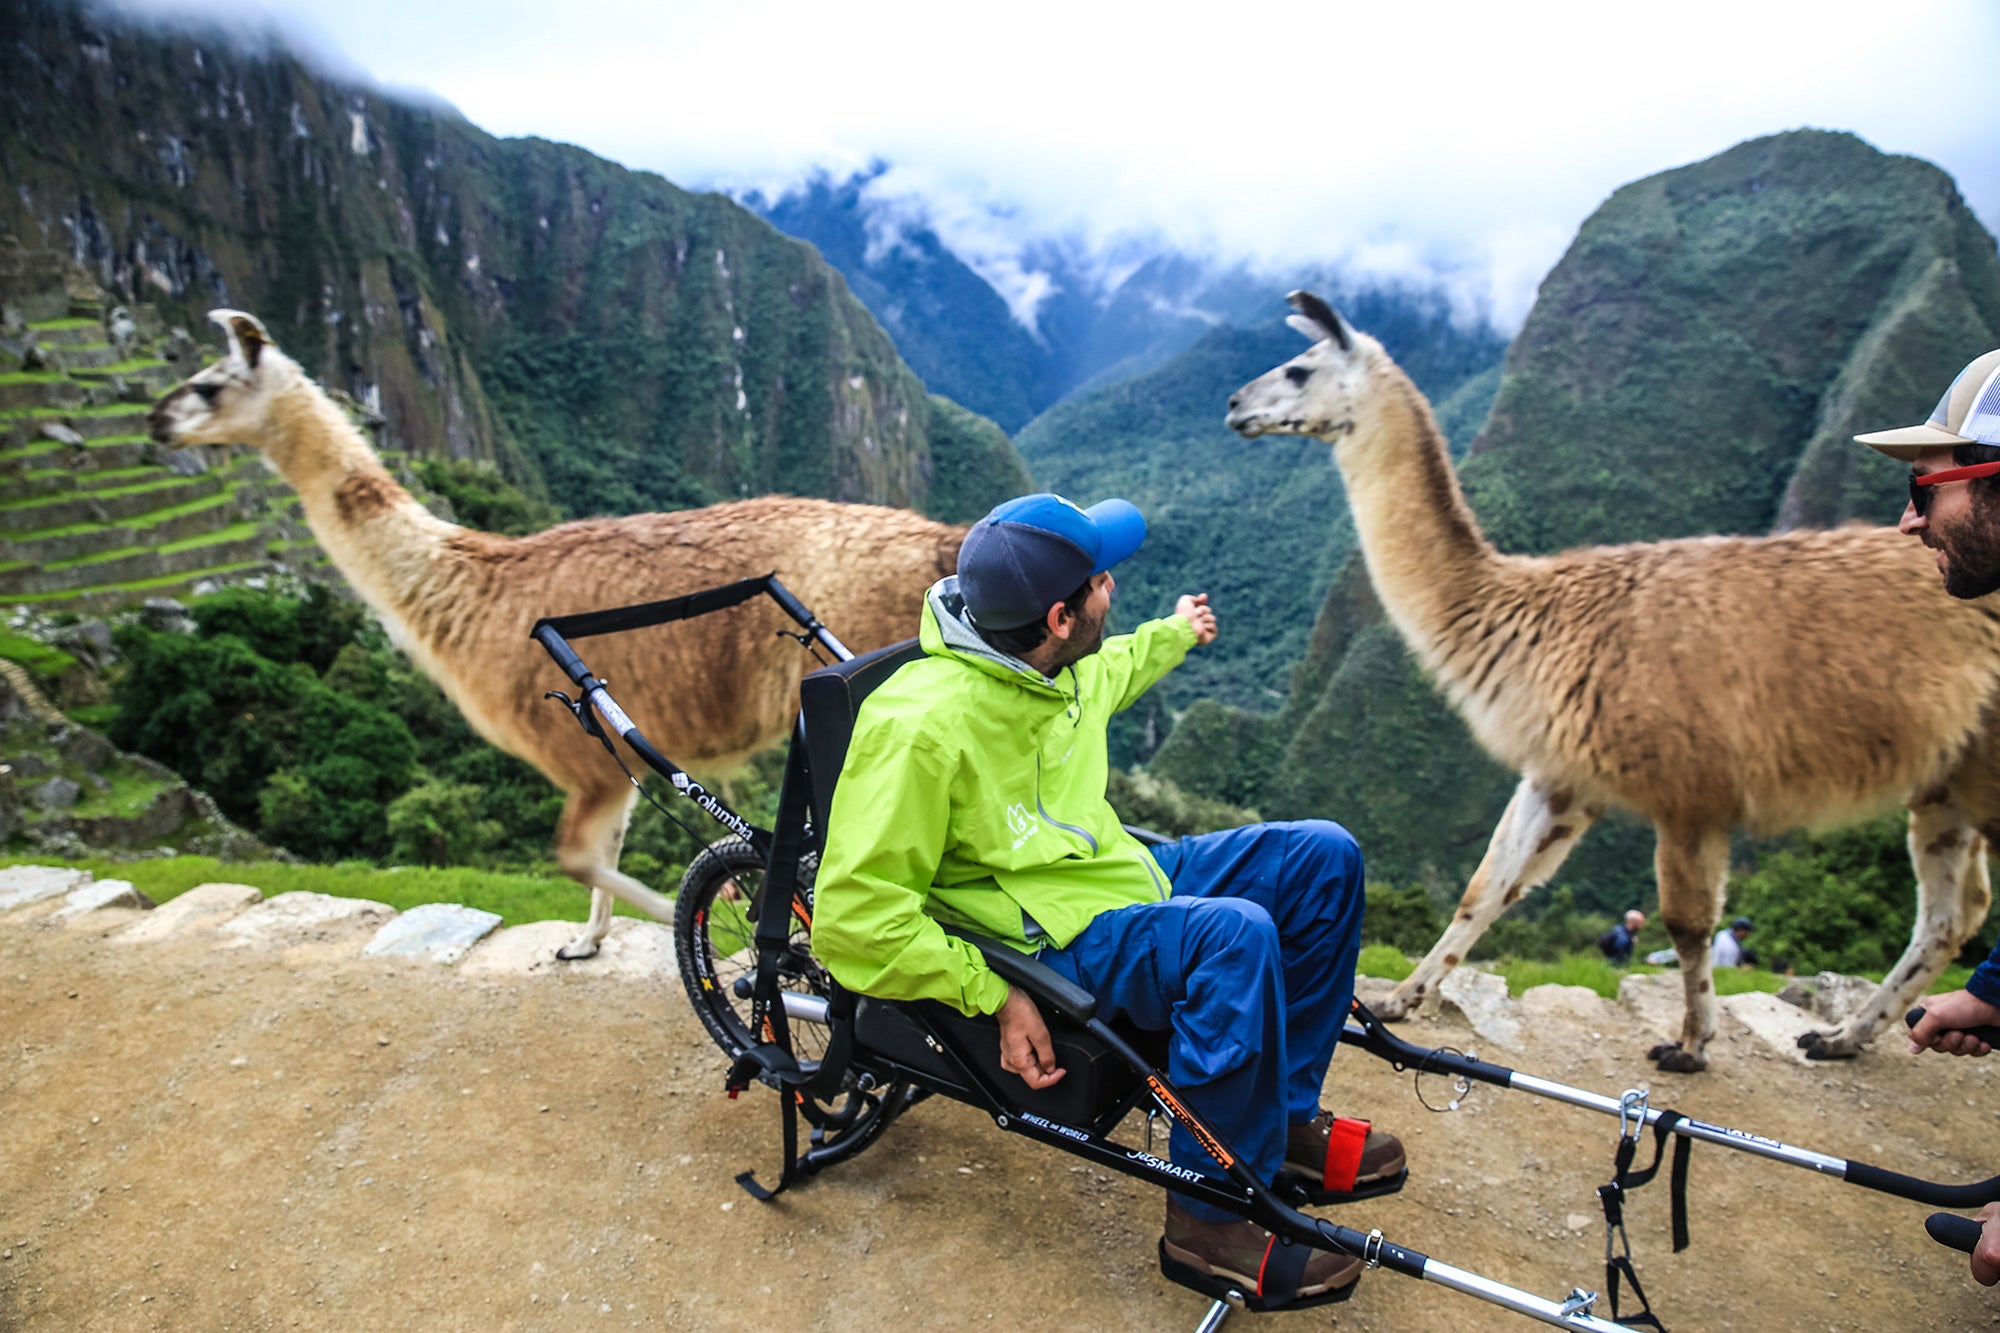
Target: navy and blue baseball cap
column 1033, row 551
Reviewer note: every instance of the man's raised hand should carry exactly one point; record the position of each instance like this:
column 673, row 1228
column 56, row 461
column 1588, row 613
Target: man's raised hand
column 1193, row 608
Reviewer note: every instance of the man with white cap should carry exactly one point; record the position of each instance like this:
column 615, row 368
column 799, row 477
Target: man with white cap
column 1954, row 510
column 973, row 795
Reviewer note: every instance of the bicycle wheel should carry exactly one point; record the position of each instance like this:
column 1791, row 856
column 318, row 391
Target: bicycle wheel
column 715, row 937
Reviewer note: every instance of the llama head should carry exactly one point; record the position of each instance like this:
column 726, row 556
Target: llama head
column 1316, row 392
column 228, row 402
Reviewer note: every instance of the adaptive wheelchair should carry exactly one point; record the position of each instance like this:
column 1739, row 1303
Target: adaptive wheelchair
column 845, row 1067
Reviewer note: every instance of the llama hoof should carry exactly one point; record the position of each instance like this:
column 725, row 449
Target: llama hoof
column 1673, row 1060
column 577, row 950
column 1663, row 1050
column 1824, row 1046
column 1391, row 1008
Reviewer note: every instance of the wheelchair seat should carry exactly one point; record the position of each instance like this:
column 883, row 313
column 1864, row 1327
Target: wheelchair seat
column 933, row 1044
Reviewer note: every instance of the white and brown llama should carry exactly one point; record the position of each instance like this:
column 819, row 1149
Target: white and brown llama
column 460, row 602
column 1798, row 680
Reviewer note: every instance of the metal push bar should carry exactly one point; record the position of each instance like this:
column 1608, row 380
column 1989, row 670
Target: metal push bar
column 1367, row 1031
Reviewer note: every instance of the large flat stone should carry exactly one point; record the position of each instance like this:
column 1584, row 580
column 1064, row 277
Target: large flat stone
column 22, row 885
column 442, row 932
column 1573, row 1002
column 1773, row 1021
column 639, row 950
column 201, row 907
column 1657, row 1002
column 1482, row 998
column 88, row 898
column 302, row 918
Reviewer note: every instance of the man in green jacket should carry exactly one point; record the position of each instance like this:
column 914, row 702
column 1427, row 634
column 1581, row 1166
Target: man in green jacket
column 973, row 794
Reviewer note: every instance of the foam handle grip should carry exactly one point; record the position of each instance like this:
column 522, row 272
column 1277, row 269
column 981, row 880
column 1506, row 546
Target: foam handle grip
column 1949, row 1229
column 1989, row 1035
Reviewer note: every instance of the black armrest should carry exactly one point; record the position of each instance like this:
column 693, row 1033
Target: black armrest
column 1040, row 980
column 1146, row 835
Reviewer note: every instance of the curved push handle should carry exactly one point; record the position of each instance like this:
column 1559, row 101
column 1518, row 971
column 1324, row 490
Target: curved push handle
column 1949, row 1229
column 1989, row 1035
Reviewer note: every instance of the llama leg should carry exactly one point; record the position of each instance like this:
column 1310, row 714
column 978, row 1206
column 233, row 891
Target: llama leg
column 1693, row 870
column 587, row 844
column 1535, row 834
column 1952, row 896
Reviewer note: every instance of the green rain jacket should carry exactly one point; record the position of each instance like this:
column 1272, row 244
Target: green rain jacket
column 973, row 794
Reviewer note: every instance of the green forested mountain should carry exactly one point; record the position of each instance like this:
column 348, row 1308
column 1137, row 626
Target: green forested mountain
column 1261, row 527
column 622, row 343
column 1694, row 364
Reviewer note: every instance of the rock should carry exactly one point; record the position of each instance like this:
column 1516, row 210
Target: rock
column 1773, row 1021
column 300, row 918
column 1798, row 991
column 21, row 885
column 442, row 932
column 1836, row 996
column 1656, row 1001
column 1577, row 1221
column 184, row 462
column 639, row 950
column 1575, row 1002
column 61, row 434
column 58, row 793
column 203, row 906
column 83, row 747
column 28, row 765
column 166, row 616
column 1482, row 998
column 100, row 893
column 89, row 641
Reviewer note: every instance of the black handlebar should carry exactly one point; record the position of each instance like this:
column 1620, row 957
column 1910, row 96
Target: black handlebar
column 1989, row 1035
column 1949, row 1229
column 565, row 656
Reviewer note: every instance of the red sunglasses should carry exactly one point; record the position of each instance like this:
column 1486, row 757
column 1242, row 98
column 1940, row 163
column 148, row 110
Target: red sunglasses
column 1920, row 492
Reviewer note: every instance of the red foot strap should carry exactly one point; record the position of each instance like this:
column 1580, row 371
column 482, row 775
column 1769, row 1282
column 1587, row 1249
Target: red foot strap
column 1343, row 1153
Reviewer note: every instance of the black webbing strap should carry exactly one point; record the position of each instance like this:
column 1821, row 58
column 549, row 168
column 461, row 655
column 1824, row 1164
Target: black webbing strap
column 586, row 623
column 1284, row 1268
column 1612, row 1196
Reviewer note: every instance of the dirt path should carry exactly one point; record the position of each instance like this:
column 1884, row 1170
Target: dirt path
column 200, row 1138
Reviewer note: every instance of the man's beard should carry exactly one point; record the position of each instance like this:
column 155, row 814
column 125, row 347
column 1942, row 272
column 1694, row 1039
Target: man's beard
column 1085, row 639
column 1972, row 552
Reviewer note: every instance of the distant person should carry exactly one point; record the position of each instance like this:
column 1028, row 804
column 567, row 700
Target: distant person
column 1960, row 443
column 1617, row 942
column 1728, row 950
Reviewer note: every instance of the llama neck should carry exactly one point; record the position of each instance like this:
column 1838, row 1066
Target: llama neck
column 1424, row 550
column 390, row 548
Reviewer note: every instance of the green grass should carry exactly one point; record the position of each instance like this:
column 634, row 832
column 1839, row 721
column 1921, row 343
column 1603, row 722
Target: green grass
column 37, row 657
column 125, row 367
column 518, row 898
column 95, row 716
column 34, row 502
column 1596, row 972
column 100, row 410
column 74, row 322
column 131, row 792
column 33, row 377
column 33, row 450
column 142, row 585
column 234, row 532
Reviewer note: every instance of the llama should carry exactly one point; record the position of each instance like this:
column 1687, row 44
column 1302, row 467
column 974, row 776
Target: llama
column 1778, row 682
column 460, row 602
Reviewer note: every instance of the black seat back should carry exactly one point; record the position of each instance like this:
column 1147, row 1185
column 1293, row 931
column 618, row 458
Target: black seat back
column 828, row 700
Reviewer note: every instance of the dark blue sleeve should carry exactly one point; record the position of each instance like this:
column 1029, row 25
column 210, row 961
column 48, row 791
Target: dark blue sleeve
column 1985, row 982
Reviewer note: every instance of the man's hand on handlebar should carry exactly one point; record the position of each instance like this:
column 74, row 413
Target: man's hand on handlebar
column 1940, row 1029
column 1025, row 1046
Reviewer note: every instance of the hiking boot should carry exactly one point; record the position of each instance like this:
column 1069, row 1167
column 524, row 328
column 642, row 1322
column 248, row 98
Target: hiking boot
column 1217, row 1257
column 1336, row 1160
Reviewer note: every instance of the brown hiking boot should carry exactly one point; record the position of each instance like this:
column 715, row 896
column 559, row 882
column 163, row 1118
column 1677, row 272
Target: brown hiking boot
column 1218, row 1256
column 1336, row 1159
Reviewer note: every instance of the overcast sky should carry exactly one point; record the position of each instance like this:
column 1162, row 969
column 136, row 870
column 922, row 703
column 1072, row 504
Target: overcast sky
column 1461, row 140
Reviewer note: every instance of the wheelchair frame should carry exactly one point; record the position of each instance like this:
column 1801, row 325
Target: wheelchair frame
column 851, row 1095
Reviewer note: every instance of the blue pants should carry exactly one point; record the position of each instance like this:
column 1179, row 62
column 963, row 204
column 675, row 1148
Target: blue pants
column 1250, row 964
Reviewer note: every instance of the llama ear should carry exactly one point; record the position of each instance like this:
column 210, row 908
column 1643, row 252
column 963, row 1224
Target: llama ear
column 247, row 339
column 1305, row 326
column 1324, row 323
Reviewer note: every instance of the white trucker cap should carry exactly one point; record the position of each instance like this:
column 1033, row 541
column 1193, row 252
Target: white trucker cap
column 1969, row 413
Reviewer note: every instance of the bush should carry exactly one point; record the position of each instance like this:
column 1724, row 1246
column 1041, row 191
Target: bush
column 1402, row 918
column 439, row 824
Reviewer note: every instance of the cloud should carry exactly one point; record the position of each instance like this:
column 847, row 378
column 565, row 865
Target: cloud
column 1461, row 142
